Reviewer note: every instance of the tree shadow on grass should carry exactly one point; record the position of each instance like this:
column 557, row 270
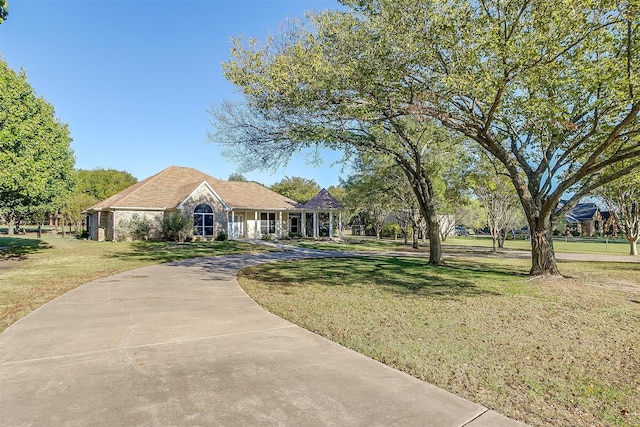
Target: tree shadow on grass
column 395, row 275
column 17, row 248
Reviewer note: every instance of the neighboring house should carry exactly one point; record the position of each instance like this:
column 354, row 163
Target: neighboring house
column 240, row 209
column 609, row 223
column 585, row 218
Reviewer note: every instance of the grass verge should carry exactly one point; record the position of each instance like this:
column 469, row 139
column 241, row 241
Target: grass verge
column 560, row 353
column 35, row 271
column 571, row 245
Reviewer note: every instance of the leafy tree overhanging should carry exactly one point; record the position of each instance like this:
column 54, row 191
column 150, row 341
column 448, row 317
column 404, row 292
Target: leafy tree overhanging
column 547, row 88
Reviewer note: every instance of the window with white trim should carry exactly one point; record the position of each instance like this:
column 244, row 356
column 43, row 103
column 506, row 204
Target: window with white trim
column 295, row 224
column 267, row 222
column 203, row 220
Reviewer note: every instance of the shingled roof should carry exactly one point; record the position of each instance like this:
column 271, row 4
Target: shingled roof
column 582, row 211
column 173, row 185
column 323, row 201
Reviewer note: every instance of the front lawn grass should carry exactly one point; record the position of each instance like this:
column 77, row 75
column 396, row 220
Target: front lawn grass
column 35, row 271
column 558, row 353
column 618, row 246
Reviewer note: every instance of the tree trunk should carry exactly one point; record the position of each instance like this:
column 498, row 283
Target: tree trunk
column 633, row 247
column 11, row 223
column 494, row 239
column 435, row 246
column 543, row 257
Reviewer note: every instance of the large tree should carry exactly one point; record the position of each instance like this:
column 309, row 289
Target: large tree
column 103, row 183
column 549, row 89
column 280, row 119
column 92, row 186
column 297, row 188
column 36, row 161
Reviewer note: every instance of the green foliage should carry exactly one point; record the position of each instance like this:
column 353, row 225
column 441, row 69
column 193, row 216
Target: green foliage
column 75, row 204
column 4, row 11
column 103, row 183
column 177, row 227
column 134, row 229
column 93, row 186
column 296, row 188
column 221, row 236
column 547, row 88
column 237, row 177
column 391, row 229
column 36, row 161
column 623, row 198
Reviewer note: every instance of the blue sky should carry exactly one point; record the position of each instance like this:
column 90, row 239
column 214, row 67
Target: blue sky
column 134, row 79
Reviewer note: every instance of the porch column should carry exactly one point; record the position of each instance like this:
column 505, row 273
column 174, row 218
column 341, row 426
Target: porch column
column 340, row 225
column 330, row 224
column 232, row 235
column 113, row 226
column 315, row 225
column 303, row 224
column 256, row 229
column 280, row 225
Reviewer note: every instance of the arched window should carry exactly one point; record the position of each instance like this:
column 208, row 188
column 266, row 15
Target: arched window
column 203, row 220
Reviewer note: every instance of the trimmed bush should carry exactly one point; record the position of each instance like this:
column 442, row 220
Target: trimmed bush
column 134, row 229
column 177, row 227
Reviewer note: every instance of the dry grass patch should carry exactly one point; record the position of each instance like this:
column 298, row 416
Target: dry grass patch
column 547, row 353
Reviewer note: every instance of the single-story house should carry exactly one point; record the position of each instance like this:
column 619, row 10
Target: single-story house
column 240, row 209
column 587, row 219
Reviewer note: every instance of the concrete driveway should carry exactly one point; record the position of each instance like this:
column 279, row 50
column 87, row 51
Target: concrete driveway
column 181, row 344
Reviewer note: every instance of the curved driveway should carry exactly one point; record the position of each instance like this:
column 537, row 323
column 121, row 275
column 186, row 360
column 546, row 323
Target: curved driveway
column 181, row 344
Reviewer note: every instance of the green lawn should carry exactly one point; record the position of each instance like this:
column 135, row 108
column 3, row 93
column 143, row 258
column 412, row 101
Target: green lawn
column 34, row 271
column 586, row 245
column 572, row 244
column 561, row 353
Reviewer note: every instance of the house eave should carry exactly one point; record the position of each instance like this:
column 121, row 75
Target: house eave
column 122, row 208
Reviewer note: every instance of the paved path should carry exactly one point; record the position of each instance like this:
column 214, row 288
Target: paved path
column 181, row 344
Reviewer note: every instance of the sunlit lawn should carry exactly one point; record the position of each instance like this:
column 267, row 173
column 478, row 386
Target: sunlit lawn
column 34, row 271
column 561, row 353
column 616, row 246
column 547, row 353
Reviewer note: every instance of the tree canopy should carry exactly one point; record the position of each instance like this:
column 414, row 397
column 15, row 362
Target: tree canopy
column 4, row 11
column 236, row 176
column 297, row 188
column 92, row 186
column 36, row 161
column 103, row 183
column 623, row 199
column 547, row 88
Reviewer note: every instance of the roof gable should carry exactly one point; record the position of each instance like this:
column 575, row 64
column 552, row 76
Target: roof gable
column 323, row 200
column 206, row 185
column 582, row 211
column 172, row 186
